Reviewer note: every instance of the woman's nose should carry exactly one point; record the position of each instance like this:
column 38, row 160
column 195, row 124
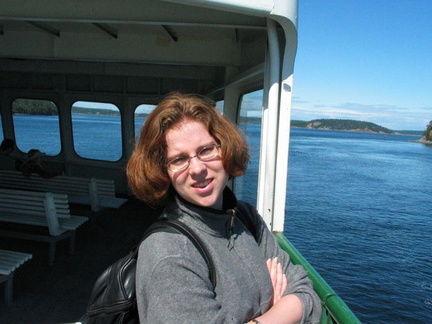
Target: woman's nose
column 196, row 166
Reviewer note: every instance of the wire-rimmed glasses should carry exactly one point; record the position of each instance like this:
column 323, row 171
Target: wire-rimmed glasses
column 181, row 163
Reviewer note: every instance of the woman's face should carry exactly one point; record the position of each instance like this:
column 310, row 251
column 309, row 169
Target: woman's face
column 201, row 183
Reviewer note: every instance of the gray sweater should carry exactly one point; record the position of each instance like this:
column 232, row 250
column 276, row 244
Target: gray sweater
column 173, row 284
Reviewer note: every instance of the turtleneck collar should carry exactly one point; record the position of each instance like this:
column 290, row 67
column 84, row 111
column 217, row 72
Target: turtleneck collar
column 213, row 221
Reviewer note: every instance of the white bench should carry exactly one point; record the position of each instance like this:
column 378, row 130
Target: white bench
column 9, row 262
column 97, row 193
column 42, row 209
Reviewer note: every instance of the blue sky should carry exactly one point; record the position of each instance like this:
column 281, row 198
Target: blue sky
column 365, row 60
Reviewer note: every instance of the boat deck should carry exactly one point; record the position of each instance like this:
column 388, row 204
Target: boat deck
column 59, row 294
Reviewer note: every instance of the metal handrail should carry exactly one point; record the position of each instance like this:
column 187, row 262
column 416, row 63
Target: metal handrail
column 335, row 310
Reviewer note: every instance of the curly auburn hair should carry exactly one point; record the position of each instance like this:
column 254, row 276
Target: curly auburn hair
column 146, row 169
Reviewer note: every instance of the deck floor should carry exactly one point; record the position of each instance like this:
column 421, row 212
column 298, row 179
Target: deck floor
column 59, row 294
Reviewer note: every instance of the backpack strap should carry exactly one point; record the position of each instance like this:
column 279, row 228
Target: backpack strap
column 167, row 225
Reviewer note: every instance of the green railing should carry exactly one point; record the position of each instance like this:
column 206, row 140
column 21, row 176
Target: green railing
column 334, row 308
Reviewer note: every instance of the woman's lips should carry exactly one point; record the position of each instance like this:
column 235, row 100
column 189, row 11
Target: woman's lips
column 201, row 185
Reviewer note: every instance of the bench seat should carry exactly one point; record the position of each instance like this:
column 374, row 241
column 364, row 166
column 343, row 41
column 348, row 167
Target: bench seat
column 97, row 193
column 65, row 223
column 46, row 210
column 9, row 262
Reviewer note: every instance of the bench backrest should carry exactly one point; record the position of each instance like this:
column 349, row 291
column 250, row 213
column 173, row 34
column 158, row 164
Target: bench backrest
column 92, row 187
column 105, row 188
column 30, row 207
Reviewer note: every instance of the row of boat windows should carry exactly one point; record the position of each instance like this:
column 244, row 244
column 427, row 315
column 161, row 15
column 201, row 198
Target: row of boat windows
column 96, row 126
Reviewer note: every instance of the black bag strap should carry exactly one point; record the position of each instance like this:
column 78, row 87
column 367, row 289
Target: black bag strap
column 162, row 225
column 169, row 225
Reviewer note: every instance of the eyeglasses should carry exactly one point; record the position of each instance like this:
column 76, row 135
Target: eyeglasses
column 180, row 163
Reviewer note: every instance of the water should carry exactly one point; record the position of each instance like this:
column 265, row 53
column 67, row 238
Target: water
column 94, row 136
column 358, row 208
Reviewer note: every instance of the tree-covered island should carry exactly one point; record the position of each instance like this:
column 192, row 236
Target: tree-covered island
column 342, row 125
column 427, row 135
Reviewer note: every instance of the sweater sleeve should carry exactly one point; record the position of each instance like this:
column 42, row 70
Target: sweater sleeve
column 173, row 286
column 298, row 281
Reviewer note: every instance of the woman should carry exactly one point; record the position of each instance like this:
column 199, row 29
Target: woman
column 186, row 154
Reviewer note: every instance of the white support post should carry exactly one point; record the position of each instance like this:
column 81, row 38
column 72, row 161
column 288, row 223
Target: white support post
column 268, row 154
column 51, row 215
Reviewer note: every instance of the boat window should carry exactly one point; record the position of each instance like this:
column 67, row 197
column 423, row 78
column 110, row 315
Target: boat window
column 141, row 113
column 97, row 130
column 220, row 106
column 36, row 124
column 246, row 186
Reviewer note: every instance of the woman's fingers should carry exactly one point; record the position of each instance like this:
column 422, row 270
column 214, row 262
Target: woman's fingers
column 278, row 278
column 277, row 294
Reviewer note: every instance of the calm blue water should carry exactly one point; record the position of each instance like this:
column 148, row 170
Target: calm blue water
column 359, row 209
column 94, row 136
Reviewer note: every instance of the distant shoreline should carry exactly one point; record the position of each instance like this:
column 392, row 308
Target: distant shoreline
column 349, row 125
column 422, row 141
column 364, row 131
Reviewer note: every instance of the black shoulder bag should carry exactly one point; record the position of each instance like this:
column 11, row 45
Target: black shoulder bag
column 113, row 298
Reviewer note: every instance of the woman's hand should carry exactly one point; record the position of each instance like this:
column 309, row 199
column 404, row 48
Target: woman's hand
column 278, row 278
column 285, row 309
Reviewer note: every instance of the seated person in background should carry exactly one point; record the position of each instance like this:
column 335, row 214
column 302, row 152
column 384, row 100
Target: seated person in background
column 34, row 165
column 6, row 148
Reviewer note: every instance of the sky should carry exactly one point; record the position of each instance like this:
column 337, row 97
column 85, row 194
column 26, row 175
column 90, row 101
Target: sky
column 368, row 60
